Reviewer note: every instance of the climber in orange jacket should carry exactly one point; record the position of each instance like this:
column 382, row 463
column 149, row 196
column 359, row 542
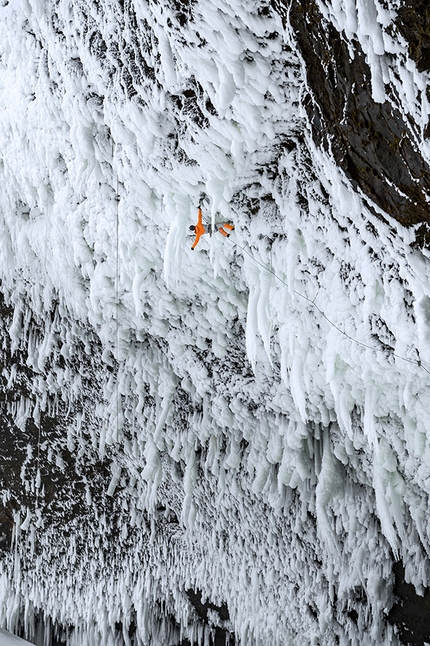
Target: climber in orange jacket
column 200, row 229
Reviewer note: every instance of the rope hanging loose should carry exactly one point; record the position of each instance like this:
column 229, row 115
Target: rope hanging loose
column 312, row 302
column 117, row 290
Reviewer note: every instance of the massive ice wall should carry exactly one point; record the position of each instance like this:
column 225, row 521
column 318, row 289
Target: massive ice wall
column 221, row 444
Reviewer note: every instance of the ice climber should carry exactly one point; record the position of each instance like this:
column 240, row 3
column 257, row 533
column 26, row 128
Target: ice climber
column 200, row 228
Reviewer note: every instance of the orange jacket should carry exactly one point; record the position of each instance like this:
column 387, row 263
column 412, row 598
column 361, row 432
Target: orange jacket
column 200, row 229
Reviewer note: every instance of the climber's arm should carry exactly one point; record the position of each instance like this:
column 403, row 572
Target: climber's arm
column 196, row 241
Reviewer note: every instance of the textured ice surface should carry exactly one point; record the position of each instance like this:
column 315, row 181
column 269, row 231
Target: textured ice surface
column 8, row 639
column 259, row 405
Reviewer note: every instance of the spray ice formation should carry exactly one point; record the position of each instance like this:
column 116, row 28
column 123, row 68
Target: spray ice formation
column 230, row 445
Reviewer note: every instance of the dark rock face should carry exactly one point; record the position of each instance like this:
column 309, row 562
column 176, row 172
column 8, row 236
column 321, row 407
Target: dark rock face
column 413, row 22
column 221, row 636
column 27, row 452
column 370, row 141
column 411, row 611
column 6, row 529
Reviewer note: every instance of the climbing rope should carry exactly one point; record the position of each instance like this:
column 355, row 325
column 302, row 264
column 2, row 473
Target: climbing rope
column 117, row 293
column 38, row 482
column 312, row 302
